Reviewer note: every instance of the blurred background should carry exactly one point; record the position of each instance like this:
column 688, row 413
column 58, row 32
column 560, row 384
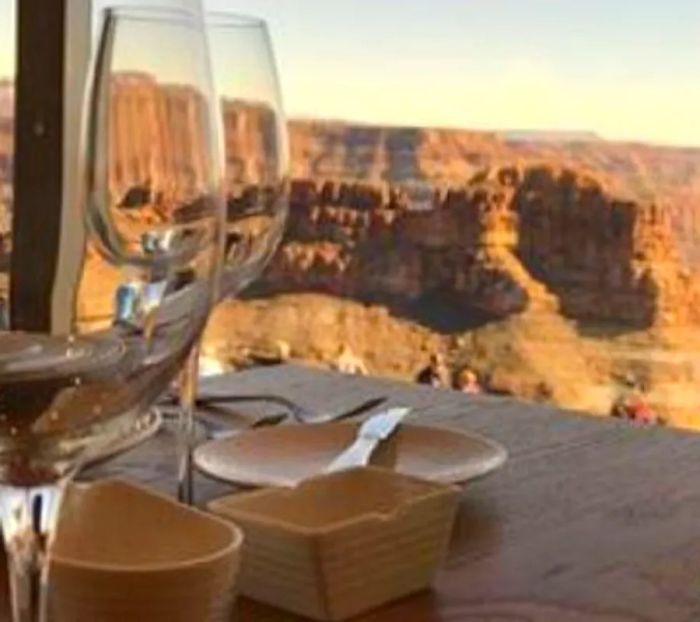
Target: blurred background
column 509, row 188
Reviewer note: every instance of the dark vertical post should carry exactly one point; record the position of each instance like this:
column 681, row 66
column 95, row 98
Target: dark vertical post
column 38, row 157
column 52, row 43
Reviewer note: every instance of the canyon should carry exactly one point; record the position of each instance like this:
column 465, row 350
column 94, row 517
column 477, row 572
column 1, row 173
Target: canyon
column 420, row 159
column 556, row 270
column 557, row 266
column 511, row 239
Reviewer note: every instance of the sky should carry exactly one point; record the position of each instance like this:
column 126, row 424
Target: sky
column 623, row 69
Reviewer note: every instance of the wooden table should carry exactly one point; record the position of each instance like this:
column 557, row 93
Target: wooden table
column 590, row 520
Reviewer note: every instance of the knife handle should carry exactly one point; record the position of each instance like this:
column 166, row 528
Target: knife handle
column 358, row 454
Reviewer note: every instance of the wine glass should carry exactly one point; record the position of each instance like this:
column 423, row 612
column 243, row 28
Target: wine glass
column 256, row 179
column 146, row 267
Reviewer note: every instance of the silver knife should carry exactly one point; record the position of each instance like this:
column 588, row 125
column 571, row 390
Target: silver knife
column 372, row 432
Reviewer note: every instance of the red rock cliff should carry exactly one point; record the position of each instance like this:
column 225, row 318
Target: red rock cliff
column 513, row 238
column 421, row 159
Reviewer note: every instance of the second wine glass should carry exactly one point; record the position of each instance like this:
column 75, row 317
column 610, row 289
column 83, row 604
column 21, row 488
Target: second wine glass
column 256, row 154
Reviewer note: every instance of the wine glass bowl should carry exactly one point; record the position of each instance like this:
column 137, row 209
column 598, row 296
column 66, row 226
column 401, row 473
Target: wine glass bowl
column 256, row 154
column 153, row 182
column 255, row 145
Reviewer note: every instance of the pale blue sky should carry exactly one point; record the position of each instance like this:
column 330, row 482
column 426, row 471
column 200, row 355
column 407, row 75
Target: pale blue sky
column 7, row 36
column 625, row 69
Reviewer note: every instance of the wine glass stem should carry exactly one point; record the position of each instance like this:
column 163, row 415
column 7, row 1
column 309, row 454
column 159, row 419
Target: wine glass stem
column 187, row 390
column 28, row 517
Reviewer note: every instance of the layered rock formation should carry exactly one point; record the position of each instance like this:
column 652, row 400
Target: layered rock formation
column 253, row 155
column 422, row 159
column 558, row 286
column 511, row 239
column 156, row 136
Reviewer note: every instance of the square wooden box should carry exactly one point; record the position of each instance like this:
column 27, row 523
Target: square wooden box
column 339, row 545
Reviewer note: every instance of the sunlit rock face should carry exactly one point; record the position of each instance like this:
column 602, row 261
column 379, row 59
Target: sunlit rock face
column 159, row 169
column 251, row 148
column 155, row 138
column 511, row 239
column 553, row 280
column 423, row 159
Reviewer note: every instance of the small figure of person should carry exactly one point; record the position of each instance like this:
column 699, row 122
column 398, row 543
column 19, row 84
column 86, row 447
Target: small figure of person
column 435, row 374
column 211, row 365
column 278, row 353
column 632, row 404
column 284, row 350
column 347, row 362
column 468, row 382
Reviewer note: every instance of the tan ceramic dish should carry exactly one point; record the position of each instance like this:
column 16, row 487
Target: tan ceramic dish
column 125, row 553
column 286, row 455
column 341, row 544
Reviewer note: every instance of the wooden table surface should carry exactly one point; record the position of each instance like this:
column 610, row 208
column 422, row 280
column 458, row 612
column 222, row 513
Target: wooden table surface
column 590, row 520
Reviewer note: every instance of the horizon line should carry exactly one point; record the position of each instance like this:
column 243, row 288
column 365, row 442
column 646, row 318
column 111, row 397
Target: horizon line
column 596, row 136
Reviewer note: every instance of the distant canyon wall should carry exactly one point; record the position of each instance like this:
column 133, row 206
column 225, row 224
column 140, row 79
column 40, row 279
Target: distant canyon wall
column 603, row 231
column 157, row 136
column 422, row 159
column 511, row 239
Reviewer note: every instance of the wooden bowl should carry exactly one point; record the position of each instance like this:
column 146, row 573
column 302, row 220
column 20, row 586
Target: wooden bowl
column 339, row 545
column 125, row 553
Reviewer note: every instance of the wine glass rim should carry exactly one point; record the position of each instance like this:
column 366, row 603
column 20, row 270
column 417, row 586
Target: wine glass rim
column 223, row 19
column 152, row 13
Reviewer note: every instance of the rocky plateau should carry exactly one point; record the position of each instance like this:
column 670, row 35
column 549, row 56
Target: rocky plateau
column 556, row 269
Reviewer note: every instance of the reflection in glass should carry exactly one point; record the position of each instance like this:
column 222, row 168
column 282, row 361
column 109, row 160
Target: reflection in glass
column 256, row 149
column 257, row 164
